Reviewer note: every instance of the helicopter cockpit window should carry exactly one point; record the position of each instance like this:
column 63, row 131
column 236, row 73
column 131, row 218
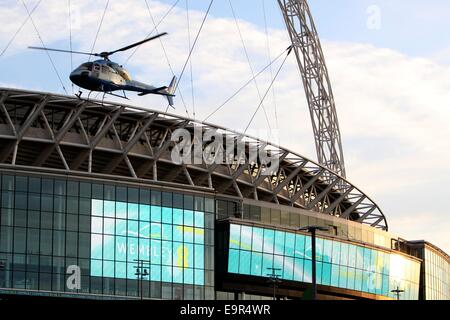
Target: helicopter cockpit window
column 87, row 65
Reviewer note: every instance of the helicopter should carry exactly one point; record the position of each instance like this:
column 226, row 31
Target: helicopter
column 107, row 76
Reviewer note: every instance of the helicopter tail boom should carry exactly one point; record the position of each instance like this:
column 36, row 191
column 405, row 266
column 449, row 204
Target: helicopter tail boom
column 169, row 91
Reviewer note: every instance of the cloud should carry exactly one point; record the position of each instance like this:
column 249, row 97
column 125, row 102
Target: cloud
column 393, row 109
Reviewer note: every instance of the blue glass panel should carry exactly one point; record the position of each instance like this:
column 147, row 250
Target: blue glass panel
column 199, row 277
column 288, row 268
column 235, row 236
column 97, row 207
column 307, row 271
column 166, row 275
column 166, row 253
column 298, row 269
column 188, row 233
column 244, row 262
column 319, row 249
column 155, row 230
column 319, row 266
column 166, row 215
column 277, row 264
column 177, row 215
column 144, row 212
column 367, row 253
column 133, row 211
column 177, row 275
column 351, row 273
column 166, row 231
column 188, row 276
column 256, row 265
column 109, row 208
column 246, row 238
column 267, row 263
column 336, row 252
column 96, row 246
column 144, row 229
column 131, row 270
column 199, row 256
column 121, row 210
column 308, row 248
column 257, row 239
column 327, row 249
column 289, row 244
column 109, row 226
column 189, row 255
column 233, row 261
column 178, row 254
column 108, row 269
column 121, row 270
column 335, row 275
column 96, row 268
column 199, row 235
column 358, row 280
column 132, row 228
column 121, row 248
column 299, row 246
column 108, row 244
column 97, row 225
column 188, row 218
column 121, row 227
column 155, row 246
column 155, row 272
column 155, row 214
column 365, row 281
column 279, row 242
column 132, row 249
column 344, row 254
column 352, row 256
column 177, row 233
column 326, row 274
column 359, row 257
column 199, row 219
column 269, row 237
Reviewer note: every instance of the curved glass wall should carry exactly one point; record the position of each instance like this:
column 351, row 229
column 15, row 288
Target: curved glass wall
column 49, row 224
column 255, row 251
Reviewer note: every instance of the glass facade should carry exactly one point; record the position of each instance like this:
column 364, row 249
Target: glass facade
column 49, row 224
column 437, row 276
column 254, row 251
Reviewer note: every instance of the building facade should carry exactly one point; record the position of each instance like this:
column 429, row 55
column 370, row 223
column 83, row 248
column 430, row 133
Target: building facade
column 94, row 206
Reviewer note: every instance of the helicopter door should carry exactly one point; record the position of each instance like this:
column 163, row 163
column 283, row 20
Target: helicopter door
column 96, row 70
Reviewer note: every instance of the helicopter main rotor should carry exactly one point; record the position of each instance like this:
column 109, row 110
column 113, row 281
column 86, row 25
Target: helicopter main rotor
column 105, row 54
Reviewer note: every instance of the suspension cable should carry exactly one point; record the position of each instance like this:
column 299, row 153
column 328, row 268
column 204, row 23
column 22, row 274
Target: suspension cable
column 190, row 60
column 99, row 27
column 268, row 89
column 195, row 42
column 70, row 41
column 249, row 64
column 167, row 58
column 19, row 29
column 246, row 84
column 43, row 45
column 269, row 58
column 154, row 29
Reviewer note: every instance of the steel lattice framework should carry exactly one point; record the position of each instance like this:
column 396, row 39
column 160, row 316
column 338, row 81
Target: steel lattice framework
column 317, row 85
column 65, row 134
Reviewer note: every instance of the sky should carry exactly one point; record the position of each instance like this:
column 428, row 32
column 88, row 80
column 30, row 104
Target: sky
column 389, row 64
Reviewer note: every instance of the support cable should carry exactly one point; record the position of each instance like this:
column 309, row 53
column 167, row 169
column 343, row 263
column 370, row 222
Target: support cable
column 99, row 27
column 166, row 56
column 70, row 41
column 268, row 89
column 246, row 84
column 250, row 65
column 154, row 29
column 195, row 42
column 190, row 60
column 43, row 45
column 19, row 29
column 269, row 57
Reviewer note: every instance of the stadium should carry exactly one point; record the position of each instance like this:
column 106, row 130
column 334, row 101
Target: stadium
column 94, row 206
column 105, row 200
